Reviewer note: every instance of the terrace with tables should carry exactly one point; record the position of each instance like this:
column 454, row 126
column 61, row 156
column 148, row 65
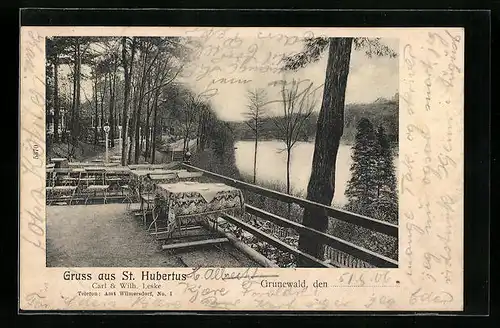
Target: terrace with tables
column 168, row 215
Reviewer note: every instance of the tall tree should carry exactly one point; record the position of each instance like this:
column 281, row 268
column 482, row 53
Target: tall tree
column 190, row 110
column 56, row 54
column 363, row 187
column 321, row 187
column 128, row 65
column 96, row 103
column 112, row 91
column 255, row 115
column 298, row 103
column 204, row 121
column 386, row 205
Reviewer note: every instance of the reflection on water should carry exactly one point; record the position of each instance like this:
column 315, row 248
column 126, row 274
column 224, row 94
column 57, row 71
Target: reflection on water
column 271, row 165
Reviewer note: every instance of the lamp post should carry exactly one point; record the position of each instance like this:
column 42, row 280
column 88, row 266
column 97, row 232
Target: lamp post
column 106, row 131
column 120, row 138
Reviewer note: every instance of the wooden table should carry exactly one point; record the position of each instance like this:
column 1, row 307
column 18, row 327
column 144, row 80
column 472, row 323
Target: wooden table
column 189, row 176
column 172, row 176
column 62, row 193
column 84, row 164
column 162, row 178
column 147, row 166
column 186, row 203
column 139, row 180
column 118, row 170
column 95, row 169
column 60, row 162
column 112, row 164
column 139, row 166
column 95, row 174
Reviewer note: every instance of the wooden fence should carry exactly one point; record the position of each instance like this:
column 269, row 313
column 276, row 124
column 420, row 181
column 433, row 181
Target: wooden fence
column 338, row 252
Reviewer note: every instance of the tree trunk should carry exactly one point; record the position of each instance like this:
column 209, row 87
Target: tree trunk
column 131, row 142
column 56, row 102
column 78, row 92
column 155, row 124
column 255, row 156
column 75, row 118
column 103, row 94
column 96, row 136
column 199, row 128
column 110, row 111
column 203, row 133
column 132, row 125
column 111, row 117
column 73, row 105
column 139, row 108
column 147, row 134
column 186, row 142
column 330, row 126
column 137, row 141
column 149, row 109
column 288, row 159
column 128, row 75
column 288, row 185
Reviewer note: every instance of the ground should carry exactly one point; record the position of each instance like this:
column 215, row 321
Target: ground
column 108, row 236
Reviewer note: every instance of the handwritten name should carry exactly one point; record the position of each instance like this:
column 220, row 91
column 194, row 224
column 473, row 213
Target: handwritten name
column 32, row 131
column 422, row 297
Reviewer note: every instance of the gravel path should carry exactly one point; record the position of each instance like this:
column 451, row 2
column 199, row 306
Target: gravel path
column 107, row 236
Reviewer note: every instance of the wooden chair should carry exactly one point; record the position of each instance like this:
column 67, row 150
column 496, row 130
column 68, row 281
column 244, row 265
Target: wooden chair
column 147, row 198
column 126, row 191
column 72, row 178
column 96, row 184
column 113, row 180
column 49, row 185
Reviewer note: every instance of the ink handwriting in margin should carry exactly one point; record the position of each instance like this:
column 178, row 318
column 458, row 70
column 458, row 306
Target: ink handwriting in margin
column 437, row 161
column 38, row 299
column 33, row 129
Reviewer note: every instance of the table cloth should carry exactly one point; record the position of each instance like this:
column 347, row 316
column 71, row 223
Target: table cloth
column 191, row 202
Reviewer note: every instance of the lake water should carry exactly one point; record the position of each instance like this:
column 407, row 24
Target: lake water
column 271, row 165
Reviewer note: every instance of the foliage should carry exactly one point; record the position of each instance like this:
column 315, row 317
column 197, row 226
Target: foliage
column 386, row 205
column 129, row 77
column 298, row 105
column 256, row 109
column 362, row 188
column 255, row 115
column 314, row 48
column 371, row 191
column 383, row 112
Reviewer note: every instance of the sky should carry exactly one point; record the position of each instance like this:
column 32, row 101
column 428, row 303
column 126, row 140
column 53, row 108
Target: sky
column 226, row 69
column 368, row 79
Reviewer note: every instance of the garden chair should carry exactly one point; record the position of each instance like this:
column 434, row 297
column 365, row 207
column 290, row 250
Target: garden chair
column 147, row 198
column 98, row 185
column 126, row 191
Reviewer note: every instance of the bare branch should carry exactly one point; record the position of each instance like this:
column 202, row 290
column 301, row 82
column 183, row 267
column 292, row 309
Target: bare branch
column 164, row 84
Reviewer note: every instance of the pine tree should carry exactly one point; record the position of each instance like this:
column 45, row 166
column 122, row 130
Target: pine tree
column 386, row 206
column 362, row 188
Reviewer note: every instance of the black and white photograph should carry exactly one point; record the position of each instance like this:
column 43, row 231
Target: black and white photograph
column 222, row 150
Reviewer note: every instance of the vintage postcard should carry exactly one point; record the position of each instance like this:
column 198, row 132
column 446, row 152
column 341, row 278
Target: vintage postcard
column 255, row 169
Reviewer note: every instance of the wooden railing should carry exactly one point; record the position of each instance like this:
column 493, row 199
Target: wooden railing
column 364, row 255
